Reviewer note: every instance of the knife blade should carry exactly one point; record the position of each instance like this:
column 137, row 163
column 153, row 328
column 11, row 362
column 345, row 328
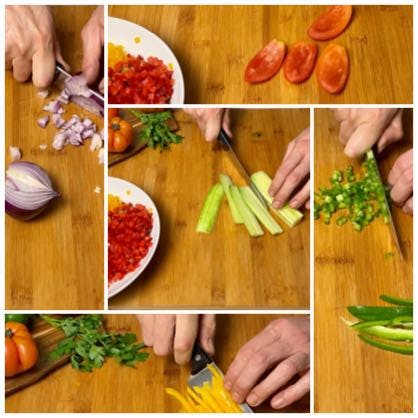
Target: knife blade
column 370, row 155
column 201, row 374
column 59, row 69
column 226, row 142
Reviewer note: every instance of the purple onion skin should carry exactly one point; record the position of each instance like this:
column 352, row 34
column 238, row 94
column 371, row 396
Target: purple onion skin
column 22, row 214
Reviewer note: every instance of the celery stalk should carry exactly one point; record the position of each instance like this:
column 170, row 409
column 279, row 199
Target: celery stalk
column 210, row 210
column 286, row 214
column 250, row 221
column 259, row 210
column 226, row 184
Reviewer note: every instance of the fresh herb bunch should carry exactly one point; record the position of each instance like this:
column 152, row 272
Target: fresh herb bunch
column 156, row 132
column 389, row 328
column 88, row 344
column 362, row 200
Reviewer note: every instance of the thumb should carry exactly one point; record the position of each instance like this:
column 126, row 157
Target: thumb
column 363, row 139
column 92, row 51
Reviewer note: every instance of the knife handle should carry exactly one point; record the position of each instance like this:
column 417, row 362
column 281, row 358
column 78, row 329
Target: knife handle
column 224, row 138
column 199, row 359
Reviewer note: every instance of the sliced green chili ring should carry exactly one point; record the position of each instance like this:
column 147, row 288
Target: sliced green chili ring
column 378, row 313
column 387, row 333
column 396, row 301
column 388, row 346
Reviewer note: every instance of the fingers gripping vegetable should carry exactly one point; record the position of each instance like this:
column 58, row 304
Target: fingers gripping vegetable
column 28, row 190
column 333, row 68
column 21, row 352
column 119, row 135
column 331, row 23
column 266, row 63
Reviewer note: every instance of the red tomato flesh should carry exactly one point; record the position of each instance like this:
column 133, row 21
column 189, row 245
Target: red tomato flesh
column 129, row 239
column 331, row 23
column 266, row 63
column 300, row 62
column 139, row 81
column 333, row 68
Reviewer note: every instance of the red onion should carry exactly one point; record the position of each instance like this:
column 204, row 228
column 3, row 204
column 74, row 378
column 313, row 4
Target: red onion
column 28, row 190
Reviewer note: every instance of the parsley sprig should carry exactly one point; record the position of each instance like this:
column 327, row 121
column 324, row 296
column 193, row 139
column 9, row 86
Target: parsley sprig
column 88, row 345
column 156, row 132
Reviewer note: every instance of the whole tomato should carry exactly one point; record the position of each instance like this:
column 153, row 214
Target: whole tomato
column 20, row 349
column 119, row 135
column 112, row 113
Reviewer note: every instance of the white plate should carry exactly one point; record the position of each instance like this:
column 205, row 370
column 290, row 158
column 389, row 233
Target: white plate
column 130, row 193
column 123, row 32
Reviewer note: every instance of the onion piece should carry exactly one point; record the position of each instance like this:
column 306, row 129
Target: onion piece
column 15, row 153
column 28, row 190
column 43, row 94
column 42, row 122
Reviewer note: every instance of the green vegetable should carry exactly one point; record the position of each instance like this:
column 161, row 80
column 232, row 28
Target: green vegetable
column 263, row 215
column 156, row 132
column 383, row 326
column 22, row 318
column 250, row 221
column 359, row 201
column 210, row 210
column 88, row 345
column 287, row 214
column 226, row 184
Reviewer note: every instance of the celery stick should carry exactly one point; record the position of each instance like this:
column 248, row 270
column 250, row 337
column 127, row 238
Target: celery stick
column 250, row 221
column 210, row 210
column 259, row 210
column 286, row 214
column 226, row 184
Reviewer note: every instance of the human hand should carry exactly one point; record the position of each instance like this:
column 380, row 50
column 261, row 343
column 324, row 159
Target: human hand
column 400, row 180
column 361, row 129
column 294, row 168
column 31, row 44
column 282, row 351
column 92, row 36
column 210, row 121
column 177, row 334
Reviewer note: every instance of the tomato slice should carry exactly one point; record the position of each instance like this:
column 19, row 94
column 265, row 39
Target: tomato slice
column 331, row 23
column 300, row 62
column 266, row 63
column 333, row 68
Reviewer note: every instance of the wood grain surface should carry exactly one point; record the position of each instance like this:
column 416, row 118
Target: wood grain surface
column 227, row 268
column 56, row 261
column 351, row 269
column 115, row 388
column 214, row 44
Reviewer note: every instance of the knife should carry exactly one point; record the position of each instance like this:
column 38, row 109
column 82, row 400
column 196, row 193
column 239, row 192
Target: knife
column 201, row 374
column 60, row 70
column 226, row 142
column 395, row 238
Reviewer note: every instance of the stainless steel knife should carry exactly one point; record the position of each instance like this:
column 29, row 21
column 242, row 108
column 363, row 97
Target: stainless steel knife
column 201, row 374
column 226, row 142
column 370, row 155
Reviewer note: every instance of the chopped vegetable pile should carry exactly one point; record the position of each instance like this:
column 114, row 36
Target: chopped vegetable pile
column 156, row 133
column 208, row 398
column 88, row 344
column 246, row 207
column 387, row 327
column 129, row 238
column 355, row 200
column 136, row 80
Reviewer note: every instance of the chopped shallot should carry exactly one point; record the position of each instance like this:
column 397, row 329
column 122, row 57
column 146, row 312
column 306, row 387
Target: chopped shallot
column 43, row 94
column 96, row 142
column 43, row 147
column 101, row 156
column 42, row 122
column 15, row 153
column 97, row 189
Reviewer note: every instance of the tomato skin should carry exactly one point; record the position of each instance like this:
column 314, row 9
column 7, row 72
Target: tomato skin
column 333, row 68
column 112, row 113
column 331, row 23
column 119, row 135
column 266, row 63
column 21, row 353
column 300, row 62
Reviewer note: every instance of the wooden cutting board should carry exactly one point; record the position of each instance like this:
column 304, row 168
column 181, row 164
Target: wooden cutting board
column 213, row 45
column 118, row 389
column 352, row 268
column 46, row 337
column 56, row 260
column 226, row 268
column 137, row 144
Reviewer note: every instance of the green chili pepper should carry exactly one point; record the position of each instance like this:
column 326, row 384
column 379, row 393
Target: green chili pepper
column 396, row 348
column 395, row 334
column 378, row 313
column 396, row 301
